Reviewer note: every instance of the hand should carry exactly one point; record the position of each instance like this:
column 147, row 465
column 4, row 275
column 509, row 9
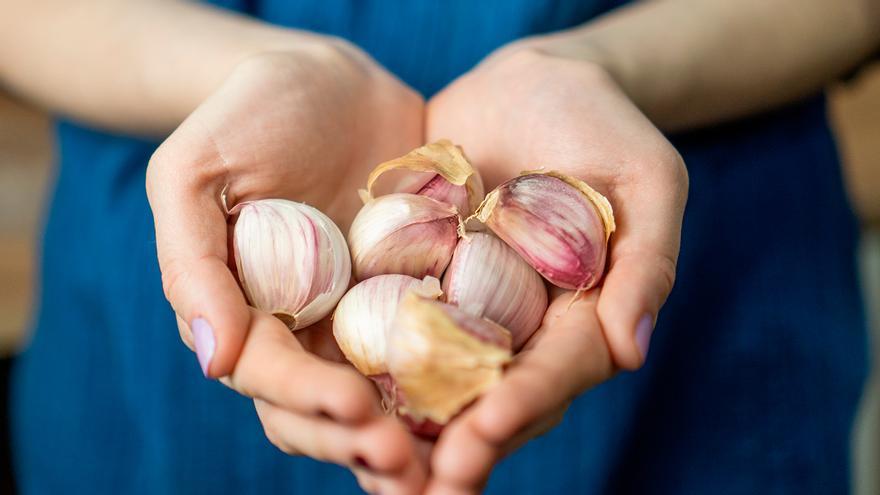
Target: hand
column 306, row 124
column 523, row 109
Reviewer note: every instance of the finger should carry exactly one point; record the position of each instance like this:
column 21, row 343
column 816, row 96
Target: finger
column 463, row 459
column 642, row 263
column 568, row 351
column 185, row 333
column 566, row 356
column 411, row 481
column 366, row 480
column 439, row 487
column 470, row 473
column 191, row 242
column 329, row 441
column 274, row 367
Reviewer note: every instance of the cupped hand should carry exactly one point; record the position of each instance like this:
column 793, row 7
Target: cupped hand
column 524, row 109
column 306, row 124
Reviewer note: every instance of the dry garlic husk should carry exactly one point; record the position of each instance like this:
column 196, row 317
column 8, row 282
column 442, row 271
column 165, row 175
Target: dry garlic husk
column 394, row 401
column 442, row 173
column 292, row 260
column 557, row 223
column 403, row 233
column 442, row 358
column 488, row 278
column 364, row 316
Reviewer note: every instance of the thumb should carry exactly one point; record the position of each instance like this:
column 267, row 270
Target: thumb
column 642, row 267
column 634, row 290
column 191, row 242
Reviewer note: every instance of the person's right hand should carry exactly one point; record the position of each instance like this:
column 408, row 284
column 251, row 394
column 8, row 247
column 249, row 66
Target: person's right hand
column 307, row 125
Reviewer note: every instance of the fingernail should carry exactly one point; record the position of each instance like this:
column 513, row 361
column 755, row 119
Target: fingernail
column 644, row 329
column 203, row 338
column 361, row 462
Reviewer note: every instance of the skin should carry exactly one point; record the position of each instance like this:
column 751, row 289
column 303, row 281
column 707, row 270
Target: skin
column 267, row 112
column 332, row 115
column 567, row 116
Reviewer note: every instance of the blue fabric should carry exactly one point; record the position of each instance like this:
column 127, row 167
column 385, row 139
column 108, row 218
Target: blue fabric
column 755, row 369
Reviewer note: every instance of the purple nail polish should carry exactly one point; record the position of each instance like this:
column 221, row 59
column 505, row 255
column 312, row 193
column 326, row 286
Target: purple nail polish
column 203, row 338
column 644, row 329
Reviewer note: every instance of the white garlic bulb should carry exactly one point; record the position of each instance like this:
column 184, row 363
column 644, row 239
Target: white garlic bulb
column 488, row 278
column 366, row 313
column 292, row 260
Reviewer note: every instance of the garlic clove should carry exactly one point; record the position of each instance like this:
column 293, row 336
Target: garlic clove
column 442, row 358
column 405, row 234
column 444, row 191
column 557, row 223
column 445, row 173
column 292, row 260
column 364, row 316
column 488, row 278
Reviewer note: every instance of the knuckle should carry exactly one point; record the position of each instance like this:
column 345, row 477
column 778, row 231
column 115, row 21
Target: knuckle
column 154, row 172
column 277, row 439
column 185, row 336
column 258, row 378
column 681, row 176
column 320, row 451
column 173, row 277
column 271, row 432
column 189, row 161
column 666, row 268
column 241, row 385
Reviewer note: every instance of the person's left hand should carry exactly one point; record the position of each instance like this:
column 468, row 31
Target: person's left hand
column 524, row 109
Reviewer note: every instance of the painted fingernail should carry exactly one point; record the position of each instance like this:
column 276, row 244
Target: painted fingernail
column 361, row 462
column 203, row 338
column 644, row 329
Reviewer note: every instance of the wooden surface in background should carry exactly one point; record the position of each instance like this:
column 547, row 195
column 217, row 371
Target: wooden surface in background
column 25, row 155
column 855, row 113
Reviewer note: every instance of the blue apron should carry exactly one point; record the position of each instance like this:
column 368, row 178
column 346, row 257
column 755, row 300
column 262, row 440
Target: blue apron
column 755, row 370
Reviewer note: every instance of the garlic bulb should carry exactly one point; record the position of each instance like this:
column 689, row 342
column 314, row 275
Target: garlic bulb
column 292, row 260
column 557, row 223
column 442, row 358
column 403, row 233
column 364, row 316
column 445, row 173
column 487, row 278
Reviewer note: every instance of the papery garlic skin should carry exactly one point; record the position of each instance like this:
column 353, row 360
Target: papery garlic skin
column 488, row 278
column 393, row 401
column 292, row 260
column 365, row 315
column 440, row 171
column 442, row 358
column 558, row 224
column 405, row 234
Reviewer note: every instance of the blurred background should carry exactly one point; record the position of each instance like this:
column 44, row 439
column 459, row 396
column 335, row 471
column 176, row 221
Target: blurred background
column 26, row 174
